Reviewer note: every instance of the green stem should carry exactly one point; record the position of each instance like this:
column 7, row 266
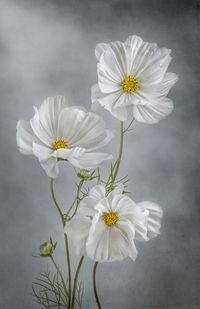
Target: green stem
column 55, row 202
column 76, row 200
column 75, row 281
column 69, row 270
column 130, row 124
column 94, row 285
column 66, row 240
column 61, row 276
column 120, row 150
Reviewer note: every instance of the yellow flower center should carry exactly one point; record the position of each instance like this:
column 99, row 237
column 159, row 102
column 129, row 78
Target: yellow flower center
column 60, row 143
column 130, row 84
column 110, row 218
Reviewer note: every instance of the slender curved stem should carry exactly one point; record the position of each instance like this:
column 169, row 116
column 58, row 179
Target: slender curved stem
column 128, row 127
column 76, row 200
column 62, row 279
column 75, row 281
column 120, row 150
column 69, row 270
column 94, row 285
column 56, row 203
column 66, row 241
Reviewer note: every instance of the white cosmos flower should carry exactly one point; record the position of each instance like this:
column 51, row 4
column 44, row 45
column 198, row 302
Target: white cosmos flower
column 134, row 73
column 105, row 227
column 60, row 131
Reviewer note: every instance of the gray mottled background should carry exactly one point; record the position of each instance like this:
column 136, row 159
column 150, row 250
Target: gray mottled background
column 47, row 48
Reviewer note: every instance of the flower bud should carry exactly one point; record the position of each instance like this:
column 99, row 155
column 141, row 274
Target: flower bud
column 85, row 174
column 47, row 249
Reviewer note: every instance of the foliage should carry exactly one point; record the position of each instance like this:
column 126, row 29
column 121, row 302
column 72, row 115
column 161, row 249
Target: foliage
column 50, row 291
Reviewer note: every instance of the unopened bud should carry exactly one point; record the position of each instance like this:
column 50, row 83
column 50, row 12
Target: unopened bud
column 85, row 174
column 47, row 249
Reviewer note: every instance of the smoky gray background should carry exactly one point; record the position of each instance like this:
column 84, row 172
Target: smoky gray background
column 47, row 48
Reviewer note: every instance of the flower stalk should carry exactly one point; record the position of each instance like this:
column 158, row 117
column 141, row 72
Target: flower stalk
column 76, row 281
column 66, row 241
column 75, row 202
column 56, row 203
column 120, row 150
column 95, row 286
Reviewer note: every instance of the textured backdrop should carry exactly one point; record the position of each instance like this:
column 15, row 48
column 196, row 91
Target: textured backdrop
column 47, row 48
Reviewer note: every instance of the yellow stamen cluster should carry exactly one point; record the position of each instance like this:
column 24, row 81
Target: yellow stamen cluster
column 110, row 218
column 60, row 143
column 130, row 84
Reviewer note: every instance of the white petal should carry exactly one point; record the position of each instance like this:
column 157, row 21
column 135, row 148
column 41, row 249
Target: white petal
column 129, row 211
column 47, row 161
column 133, row 43
column 49, row 113
column 138, row 219
column 149, row 91
column 70, row 121
column 132, row 251
column 60, row 103
column 100, row 49
column 112, row 68
column 128, row 231
column 134, row 46
column 127, row 228
column 90, row 204
column 153, row 227
column 122, row 99
column 139, row 57
column 75, row 152
column 25, row 137
column 153, row 208
column 122, row 204
column 97, row 193
column 154, row 217
column 77, row 230
column 86, row 207
column 103, row 206
column 167, row 83
column 92, row 133
column 51, row 167
column 153, row 67
column 108, row 137
column 106, row 244
column 96, row 93
column 143, row 97
column 153, row 112
column 111, row 100
column 107, row 80
column 120, row 113
column 141, row 233
column 81, row 129
column 152, row 56
column 99, row 98
column 89, row 160
column 41, row 151
column 43, row 135
column 97, row 231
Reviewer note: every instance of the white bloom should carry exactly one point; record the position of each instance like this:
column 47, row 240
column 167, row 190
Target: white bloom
column 60, row 131
column 105, row 227
column 133, row 73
